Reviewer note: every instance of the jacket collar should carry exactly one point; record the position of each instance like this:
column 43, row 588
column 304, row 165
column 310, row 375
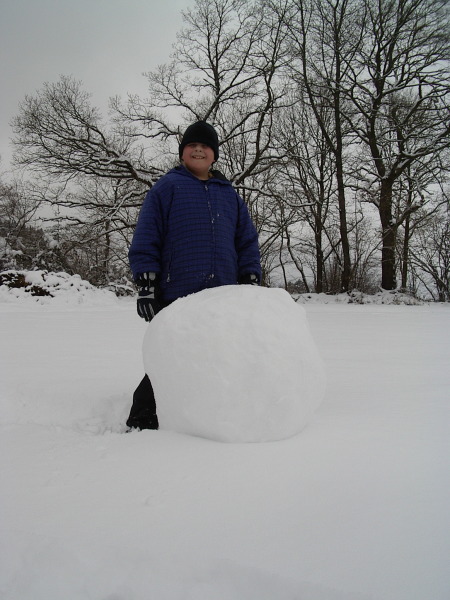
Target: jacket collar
column 216, row 175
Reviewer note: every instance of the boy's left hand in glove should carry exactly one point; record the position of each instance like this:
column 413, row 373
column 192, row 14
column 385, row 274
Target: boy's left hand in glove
column 249, row 279
column 147, row 303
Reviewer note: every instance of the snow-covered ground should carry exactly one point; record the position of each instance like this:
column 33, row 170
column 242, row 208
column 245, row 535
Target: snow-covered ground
column 355, row 507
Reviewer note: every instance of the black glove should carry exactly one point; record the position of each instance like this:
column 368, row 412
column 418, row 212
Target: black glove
column 147, row 303
column 249, row 279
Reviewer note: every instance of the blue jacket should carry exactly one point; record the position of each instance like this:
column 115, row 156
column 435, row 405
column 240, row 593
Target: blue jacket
column 194, row 234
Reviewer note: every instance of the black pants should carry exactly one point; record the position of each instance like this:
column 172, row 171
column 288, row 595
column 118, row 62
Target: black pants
column 143, row 411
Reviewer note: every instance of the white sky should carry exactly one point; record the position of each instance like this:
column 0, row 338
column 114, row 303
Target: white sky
column 107, row 44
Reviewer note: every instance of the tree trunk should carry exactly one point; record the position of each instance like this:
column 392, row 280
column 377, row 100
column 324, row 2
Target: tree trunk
column 319, row 259
column 389, row 234
column 405, row 253
column 107, row 257
column 319, row 253
column 343, row 229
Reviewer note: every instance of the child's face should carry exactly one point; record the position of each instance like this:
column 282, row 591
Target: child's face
column 198, row 158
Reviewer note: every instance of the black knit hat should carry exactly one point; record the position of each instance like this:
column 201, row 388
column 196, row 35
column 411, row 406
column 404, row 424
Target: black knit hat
column 202, row 133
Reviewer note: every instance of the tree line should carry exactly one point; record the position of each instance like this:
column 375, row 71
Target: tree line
column 334, row 121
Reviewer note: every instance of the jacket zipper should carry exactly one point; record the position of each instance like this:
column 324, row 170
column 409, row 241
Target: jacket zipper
column 213, row 234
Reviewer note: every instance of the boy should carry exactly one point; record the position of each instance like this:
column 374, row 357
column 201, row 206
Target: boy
column 194, row 232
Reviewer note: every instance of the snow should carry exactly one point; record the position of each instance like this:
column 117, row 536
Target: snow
column 355, row 507
column 234, row 364
column 53, row 289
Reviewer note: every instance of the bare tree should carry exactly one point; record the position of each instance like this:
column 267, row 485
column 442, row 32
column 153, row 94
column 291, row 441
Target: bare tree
column 430, row 254
column 323, row 43
column 400, row 92
column 415, row 199
column 310, row 187
column 93, row 223
column 226, row 68
column 24, row 244
column 59, row 134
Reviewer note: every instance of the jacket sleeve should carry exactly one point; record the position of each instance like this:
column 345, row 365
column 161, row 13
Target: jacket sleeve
column 246, row 242
column 145, row 251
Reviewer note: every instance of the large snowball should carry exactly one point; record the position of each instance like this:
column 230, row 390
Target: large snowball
column 234, row 364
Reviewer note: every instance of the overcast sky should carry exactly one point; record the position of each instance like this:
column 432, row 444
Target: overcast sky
column 107, row 44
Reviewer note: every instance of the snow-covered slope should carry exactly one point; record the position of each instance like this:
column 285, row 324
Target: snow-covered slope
column 355, row 507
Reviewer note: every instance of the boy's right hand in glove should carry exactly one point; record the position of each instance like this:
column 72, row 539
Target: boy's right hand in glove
column 147, row 303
